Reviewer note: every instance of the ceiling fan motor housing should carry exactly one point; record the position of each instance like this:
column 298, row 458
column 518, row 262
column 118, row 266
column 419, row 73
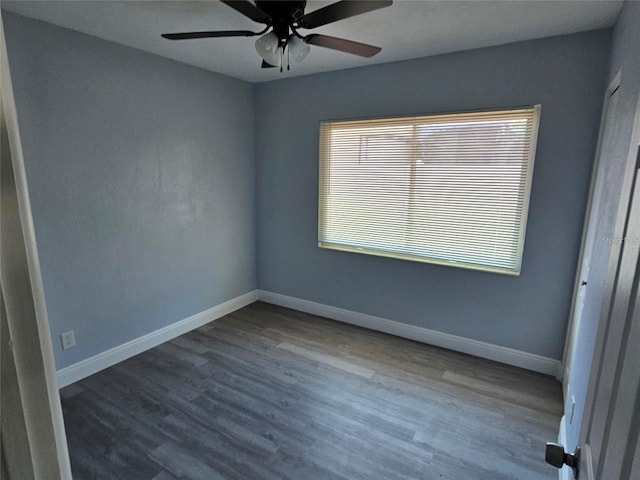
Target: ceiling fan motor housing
column 283, row 15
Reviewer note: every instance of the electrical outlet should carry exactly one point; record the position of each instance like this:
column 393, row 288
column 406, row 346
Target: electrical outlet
column 68, row 340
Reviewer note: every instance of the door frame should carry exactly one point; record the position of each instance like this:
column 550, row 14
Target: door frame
column 586, row 245
column 33, row 442
column 612, row 352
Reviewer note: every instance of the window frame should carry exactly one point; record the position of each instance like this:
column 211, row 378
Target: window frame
column 535, row 110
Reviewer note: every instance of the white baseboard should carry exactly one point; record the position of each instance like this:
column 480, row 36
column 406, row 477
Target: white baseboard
column 91, row 365
column 530, row 361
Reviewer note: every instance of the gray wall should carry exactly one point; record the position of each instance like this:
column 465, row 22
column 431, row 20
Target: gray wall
column 529, row 313
column 625, row 55
column 142, row 180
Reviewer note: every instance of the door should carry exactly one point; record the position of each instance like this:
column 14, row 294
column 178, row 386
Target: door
column 608, row 431
column 611, row 422
column 609, row 446
column 590, row 233
column 32, row 438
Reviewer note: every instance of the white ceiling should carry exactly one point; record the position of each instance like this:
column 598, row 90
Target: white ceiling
column 407, row 29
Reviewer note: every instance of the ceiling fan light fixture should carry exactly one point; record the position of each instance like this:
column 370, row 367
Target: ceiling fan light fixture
column 267, row 47
column 281, row 19
column 298, row 48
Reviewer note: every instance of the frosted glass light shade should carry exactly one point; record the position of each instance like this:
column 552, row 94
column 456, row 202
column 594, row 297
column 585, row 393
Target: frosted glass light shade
column 298, row 48
column 267, row 48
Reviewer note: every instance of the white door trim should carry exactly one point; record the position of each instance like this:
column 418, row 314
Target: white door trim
column 584, row 246
column 613, row 382
column 31, row 353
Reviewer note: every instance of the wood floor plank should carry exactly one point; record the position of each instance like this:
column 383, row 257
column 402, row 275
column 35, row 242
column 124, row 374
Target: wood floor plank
column 271, row 393
column 182, row 463
column 330, row 360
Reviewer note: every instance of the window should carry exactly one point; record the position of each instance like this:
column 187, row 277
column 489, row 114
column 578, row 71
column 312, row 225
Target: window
column 447, row 189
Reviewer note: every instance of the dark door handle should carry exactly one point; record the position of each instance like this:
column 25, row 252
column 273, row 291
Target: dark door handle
column 584, row 282
column 556, row 456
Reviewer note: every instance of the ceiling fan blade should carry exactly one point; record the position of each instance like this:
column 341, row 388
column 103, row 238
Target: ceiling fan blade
column 220, row 33
column 267, row 65
column 349, row 46
column 340, row 10
column 248, row 9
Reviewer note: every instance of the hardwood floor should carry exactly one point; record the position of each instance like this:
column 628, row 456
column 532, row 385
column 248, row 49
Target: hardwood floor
column 271, row 393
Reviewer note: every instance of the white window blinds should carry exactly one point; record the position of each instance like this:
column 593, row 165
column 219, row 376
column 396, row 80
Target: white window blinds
column 447, row 189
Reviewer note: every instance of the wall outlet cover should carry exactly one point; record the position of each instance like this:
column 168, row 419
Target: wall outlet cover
column 68, row 340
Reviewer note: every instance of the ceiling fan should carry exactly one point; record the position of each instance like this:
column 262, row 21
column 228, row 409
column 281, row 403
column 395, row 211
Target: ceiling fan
column 284, row 19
